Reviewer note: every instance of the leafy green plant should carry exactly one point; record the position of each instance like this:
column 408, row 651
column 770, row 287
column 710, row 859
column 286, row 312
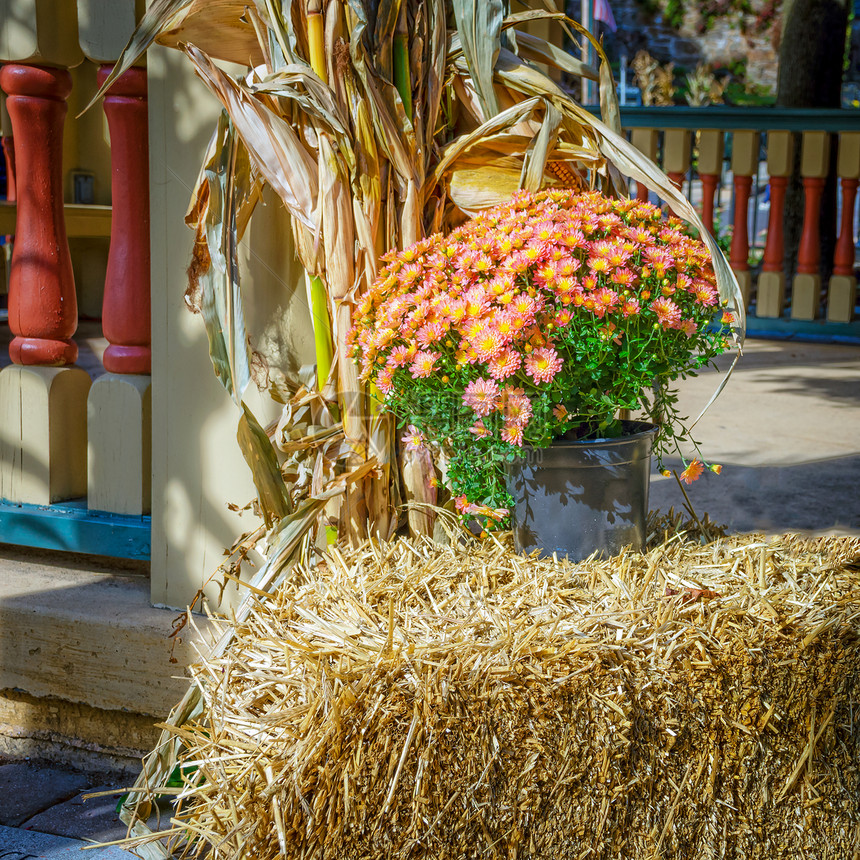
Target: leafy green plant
column 538, row 319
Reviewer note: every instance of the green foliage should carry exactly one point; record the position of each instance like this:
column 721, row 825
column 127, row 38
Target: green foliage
column 543, row 318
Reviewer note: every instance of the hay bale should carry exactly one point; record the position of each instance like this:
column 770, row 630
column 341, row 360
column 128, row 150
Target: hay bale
column 408, row 700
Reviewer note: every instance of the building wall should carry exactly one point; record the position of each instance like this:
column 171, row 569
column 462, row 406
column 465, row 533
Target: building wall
column 720, row 45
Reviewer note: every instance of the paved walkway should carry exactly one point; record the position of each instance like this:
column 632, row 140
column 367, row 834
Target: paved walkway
column 44, row 813
column 786, row 430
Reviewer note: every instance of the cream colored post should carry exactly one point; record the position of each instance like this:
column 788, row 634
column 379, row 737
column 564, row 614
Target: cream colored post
column 646, row 141
column 197, row 466
column 44, row 458
column 676, row 154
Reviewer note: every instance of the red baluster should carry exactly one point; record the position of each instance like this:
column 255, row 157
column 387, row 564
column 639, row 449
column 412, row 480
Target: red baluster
column 775, row 245
column 709, row 191
column 125, row 311
column 740, row 248
column 843, row 255
column 8, row 143
column 9, row 154
column 809, row 252
column 642, row 192
column 677, row 179
column 43, row 312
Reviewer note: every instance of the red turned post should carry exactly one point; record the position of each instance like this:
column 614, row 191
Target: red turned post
column 809, row 251
column 43, row 312
column 709, row 191
column 774, row 248
column 126, row 307
column 806, row 288
column 745, row 157
column 843, row 255
column 9, row 154
column 842, row 289
column 740, row 248
column 677, row 179
column 770, row 299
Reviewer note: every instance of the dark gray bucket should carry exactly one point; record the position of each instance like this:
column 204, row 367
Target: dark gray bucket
column 581, row 496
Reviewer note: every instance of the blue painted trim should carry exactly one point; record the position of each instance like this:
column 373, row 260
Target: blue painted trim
column 811, row 331
column 734, row 118
column 71, row 527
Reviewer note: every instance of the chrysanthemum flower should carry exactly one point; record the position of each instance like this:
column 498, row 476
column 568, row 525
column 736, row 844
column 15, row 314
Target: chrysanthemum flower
column 689, row 327
column 488, row 344
column 423, row 364
column 560, row 412
column 630, row 307
column 512, row 434
column 505, row 364
column 481, row 396
column 668, row 313
column 605, row 300
column 413, row 439
column 479, row 430
column 401, row 354
column 516, row 406
column 384, row 379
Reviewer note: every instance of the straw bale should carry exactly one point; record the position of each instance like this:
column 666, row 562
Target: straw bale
column 411, row 700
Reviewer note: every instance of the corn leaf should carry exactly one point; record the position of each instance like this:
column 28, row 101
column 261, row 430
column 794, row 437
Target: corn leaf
column 541, row 51
column 273, row 146
column 228, row 180
column 221, row 28
column 479, row 23
column 215, row 25
column 537, row 153
column 260, row 456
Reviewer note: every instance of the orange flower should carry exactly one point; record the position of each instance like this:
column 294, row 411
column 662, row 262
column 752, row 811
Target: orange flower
column 693, row 472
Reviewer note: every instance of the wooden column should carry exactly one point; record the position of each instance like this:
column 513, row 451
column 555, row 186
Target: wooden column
column 842, row 289
column 676, row 155
column 710, row 172
column 770, row 297
column 42, row 399
column 43, row 311
column 119, row 408
column 806, row 288
column 126, row 308
column 745, row 149
column 645, row 140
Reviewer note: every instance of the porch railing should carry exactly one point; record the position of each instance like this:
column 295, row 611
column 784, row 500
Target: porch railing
column 74, row 454
column 735, row 164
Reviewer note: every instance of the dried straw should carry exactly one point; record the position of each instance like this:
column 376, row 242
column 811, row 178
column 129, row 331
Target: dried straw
column 411, row 700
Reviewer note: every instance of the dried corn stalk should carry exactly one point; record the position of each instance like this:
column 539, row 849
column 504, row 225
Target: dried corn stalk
column 375, row 123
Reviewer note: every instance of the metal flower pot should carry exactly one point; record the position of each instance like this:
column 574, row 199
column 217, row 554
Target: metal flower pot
column 581, row 496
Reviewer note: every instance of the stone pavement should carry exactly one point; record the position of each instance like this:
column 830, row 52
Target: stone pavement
column 786, row 430
column 44, row 813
